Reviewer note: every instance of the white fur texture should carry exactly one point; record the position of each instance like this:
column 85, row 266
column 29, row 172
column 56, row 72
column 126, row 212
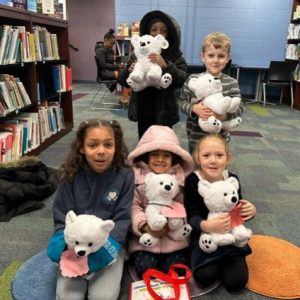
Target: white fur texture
column 219, row 197
column 209, row 89
column 86, row 233
column 160, row 190
column 145, row 72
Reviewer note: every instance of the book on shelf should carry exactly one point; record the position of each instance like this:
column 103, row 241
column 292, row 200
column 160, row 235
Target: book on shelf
column 8, row 91
column 135, row 28
column 47, row 7
column 34, row 136
column 6, row 97
column 11, row 93
column 62, row 9
column 17, row 131
column 123, row 29
column 23, row 92
column 11, row 46
column 3, row 107
column 62, row 78
column 22, row 4
column 17, row 93
column 31, row 5
column 6, row 138
column 5, row 30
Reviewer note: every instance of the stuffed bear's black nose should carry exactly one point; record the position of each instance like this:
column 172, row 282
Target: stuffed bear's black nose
column 167, row 187
column 81, row 253
column 234, row 199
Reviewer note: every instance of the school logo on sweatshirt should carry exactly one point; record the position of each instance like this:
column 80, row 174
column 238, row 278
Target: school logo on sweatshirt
column 112, row 196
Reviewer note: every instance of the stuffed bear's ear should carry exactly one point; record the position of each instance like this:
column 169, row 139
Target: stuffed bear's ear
column 70, row 217
column 135, row 39
column 149, row 176
column 108, row 225
column 203, row 187
column 164, row 44
column 193, row 84
column 233, row 181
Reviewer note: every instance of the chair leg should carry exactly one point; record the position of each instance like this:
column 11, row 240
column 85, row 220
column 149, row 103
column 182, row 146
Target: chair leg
column 292, row 96
column 281, row 95
column 264, row 93
column 105, row 105
column 95, row 96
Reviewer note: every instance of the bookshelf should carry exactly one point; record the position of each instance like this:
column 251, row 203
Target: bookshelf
column 293, row 47
column 37, row 75
column 123, row 38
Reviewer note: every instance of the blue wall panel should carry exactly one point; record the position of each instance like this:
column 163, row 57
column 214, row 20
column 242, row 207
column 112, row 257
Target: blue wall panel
column 258, row 29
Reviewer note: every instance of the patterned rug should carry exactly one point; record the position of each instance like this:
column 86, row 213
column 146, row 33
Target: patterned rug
column 6, row 279
column 78, row 96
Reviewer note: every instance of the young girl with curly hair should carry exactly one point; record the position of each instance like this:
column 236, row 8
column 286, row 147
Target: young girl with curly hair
column 95, row 180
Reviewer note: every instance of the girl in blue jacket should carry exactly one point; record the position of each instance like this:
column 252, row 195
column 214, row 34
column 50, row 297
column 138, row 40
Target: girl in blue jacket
column 95, row 180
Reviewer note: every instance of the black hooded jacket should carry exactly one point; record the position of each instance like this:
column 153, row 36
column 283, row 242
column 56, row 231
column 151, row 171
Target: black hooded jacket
column 159, row 102
column 106, row 59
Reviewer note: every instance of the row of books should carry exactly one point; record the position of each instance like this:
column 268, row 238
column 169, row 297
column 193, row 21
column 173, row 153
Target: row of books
column 18, row 45
column 293, row 31
column 125, row 30
column 292, row 51
column 53, row 8
column 51, row 119
column 296, row 13
column 62, row 78
column 18, row 136
column 297, row 73
column 28, row 130
column 13, row 94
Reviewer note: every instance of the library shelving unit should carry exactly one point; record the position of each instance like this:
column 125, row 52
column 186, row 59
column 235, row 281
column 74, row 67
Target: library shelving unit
column 123, row 47
column 296, row 41
column 28, row 72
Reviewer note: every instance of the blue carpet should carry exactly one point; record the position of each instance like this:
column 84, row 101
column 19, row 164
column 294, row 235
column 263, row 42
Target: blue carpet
column 36, row 279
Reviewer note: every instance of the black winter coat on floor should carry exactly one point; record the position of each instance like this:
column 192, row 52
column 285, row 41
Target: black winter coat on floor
column 23, row 185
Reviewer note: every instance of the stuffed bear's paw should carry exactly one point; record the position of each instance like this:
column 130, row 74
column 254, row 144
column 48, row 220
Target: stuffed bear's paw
column 175, row 223
column 137, row 76
column 159, row 222
column 241, row 235
column 181, row 233
column 211, row 125
column 129, row 81
column 166, row 80
column 235, row 104
column 153, row 76
column 207, row 244
column 148, row 240
column 236, row 121
column 231, row 124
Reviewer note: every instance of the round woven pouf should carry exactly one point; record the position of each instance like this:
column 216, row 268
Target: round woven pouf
column 36, row 279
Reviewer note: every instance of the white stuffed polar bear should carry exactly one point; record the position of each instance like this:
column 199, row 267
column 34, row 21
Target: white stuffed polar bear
column 84, row 234
column 209, row 89
column 160, row 190
column 145, row 72
column 219, row 197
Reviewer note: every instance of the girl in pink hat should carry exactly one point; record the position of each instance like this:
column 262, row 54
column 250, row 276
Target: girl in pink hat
column 158, row 151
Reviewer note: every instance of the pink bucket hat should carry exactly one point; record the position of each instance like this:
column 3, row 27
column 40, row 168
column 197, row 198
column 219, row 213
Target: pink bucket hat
column 162, row 138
